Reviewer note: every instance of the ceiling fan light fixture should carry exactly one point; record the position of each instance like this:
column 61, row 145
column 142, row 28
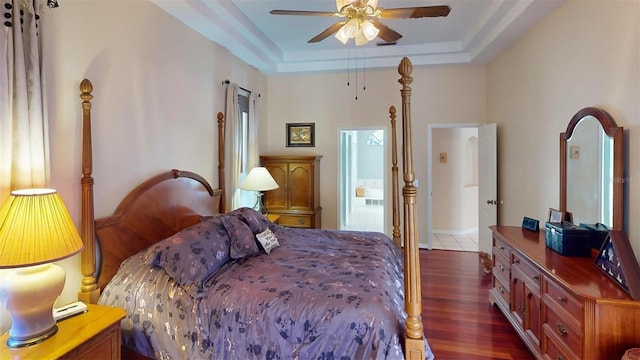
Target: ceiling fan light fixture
column 369, row 30
column 342, row 35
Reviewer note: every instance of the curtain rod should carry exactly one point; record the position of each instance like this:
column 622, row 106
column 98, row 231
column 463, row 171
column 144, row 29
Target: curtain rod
column 227, row 82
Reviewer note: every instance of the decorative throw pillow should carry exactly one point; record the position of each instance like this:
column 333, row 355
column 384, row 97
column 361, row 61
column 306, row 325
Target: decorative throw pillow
column 243, row 241
column 256, row 221
column 268, row 240
column 193, row 254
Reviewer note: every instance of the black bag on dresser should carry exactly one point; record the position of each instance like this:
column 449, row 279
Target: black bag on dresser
column 568, row 239
column 598, row 233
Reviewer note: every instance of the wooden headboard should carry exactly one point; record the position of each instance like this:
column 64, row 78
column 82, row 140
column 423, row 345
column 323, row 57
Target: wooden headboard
column 154, row 210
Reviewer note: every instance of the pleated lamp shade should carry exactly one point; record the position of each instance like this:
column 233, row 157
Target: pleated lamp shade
column 36, row 228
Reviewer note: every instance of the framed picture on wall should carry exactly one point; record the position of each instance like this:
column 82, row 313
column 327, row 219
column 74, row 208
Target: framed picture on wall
column 301, row 134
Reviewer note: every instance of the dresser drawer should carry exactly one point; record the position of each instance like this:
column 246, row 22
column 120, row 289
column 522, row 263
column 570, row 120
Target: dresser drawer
column 527, row 269
column 303, row 221
column 553, row 352
column 558, row 297
column 556, row 327
column 502, row 289
column 501, row 267
column 499, row 247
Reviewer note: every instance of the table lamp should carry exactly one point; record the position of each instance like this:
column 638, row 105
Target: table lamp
column 35, row 230
column 259, row 180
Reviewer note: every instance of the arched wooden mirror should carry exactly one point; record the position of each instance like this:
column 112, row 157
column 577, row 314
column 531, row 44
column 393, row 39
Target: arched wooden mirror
column 591, row 169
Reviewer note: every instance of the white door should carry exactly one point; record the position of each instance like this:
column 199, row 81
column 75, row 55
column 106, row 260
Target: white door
column 487, row 185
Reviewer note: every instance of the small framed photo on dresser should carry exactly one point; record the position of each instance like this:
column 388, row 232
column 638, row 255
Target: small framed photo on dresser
column 555, row 216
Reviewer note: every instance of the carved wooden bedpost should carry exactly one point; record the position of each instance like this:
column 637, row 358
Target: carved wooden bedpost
column 221, row 175
column 89, row 291
column 394, row 179
column 414, row 342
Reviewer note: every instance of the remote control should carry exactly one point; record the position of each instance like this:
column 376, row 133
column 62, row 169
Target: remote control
column 69, row 310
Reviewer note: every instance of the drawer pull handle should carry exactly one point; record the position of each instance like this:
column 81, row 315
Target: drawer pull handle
column 516, row 261
column 501, row 248
column 560, row 357
column 501, row 267
column 502, row 291
column 562, row 299
column 535, row 277
column 301, row 221
column 561, row 329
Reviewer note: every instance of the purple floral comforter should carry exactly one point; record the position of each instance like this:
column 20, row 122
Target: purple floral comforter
column 320, row 295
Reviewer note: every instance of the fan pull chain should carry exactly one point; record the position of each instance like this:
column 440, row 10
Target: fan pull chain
column 356, row 77
column 364, row 73
column 348, row 67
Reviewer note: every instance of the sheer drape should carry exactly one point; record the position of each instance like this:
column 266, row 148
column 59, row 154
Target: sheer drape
column 253, row 159
column 242, row 146
column 233, row 143
column 24, row 132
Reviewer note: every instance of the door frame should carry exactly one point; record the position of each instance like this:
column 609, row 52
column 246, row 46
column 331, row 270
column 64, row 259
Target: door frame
column 386, row 217
column 430, row 127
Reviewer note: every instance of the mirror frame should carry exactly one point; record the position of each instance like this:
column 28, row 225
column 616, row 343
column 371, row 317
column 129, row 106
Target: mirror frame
column 613, row 131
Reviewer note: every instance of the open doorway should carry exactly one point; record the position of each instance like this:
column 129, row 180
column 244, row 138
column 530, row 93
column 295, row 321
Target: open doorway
column 473, row 179
column 361, row 177
column 454, row 188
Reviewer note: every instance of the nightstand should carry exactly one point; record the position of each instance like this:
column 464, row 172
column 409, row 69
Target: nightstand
column 92, row 335
column 274, row 218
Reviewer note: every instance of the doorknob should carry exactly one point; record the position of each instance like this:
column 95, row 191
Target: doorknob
column 492, row 202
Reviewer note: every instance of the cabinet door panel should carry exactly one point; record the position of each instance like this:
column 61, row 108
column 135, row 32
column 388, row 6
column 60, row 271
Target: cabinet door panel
column 277, row 199
column 301, row 179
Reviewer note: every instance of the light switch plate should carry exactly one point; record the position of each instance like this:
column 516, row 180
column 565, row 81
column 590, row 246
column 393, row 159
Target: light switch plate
column 574, row 152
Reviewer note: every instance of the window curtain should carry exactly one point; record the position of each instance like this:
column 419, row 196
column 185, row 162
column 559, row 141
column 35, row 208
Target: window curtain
column 236, row 146
column 24, row 130
column 233, row 144
column 253, row 156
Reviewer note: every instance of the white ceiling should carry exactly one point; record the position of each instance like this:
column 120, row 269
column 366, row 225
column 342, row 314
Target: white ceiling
column 473, row 33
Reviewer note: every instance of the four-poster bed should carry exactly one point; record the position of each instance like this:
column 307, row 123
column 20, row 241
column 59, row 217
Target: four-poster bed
column 142, row 240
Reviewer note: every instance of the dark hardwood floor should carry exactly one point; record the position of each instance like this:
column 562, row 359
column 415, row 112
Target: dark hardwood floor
column 459, row 322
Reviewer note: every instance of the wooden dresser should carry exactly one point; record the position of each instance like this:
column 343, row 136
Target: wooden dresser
column 562, row 307
column 297, row 200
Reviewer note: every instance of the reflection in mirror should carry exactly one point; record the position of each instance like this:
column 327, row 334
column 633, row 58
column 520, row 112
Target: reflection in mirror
column 591, row 174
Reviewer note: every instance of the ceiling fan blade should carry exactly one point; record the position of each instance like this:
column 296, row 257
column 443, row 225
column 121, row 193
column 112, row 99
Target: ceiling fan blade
column 386, row 33
column 415, row 12
column 328, row 32
column 300, row 12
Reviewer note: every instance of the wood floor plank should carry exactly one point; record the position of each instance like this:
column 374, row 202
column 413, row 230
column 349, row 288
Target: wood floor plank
column 459, row 322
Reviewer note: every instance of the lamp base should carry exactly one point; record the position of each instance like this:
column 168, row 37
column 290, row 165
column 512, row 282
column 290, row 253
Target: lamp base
column 28, row 294
column 15, row 343
column 259, row 206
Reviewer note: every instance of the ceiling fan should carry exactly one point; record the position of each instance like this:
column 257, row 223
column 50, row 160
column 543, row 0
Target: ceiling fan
column 361, row 20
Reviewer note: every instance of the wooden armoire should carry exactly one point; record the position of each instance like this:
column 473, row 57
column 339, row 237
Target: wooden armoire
column 297, row 200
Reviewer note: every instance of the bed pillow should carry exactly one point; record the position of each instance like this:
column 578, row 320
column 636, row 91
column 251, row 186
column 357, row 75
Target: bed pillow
column 243, row 241
column 192, row 255
column 256, row 221
column 267, row 240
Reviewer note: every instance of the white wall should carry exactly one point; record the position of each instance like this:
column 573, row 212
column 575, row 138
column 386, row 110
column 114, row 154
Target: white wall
column 451, row 94
column 586, row 53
